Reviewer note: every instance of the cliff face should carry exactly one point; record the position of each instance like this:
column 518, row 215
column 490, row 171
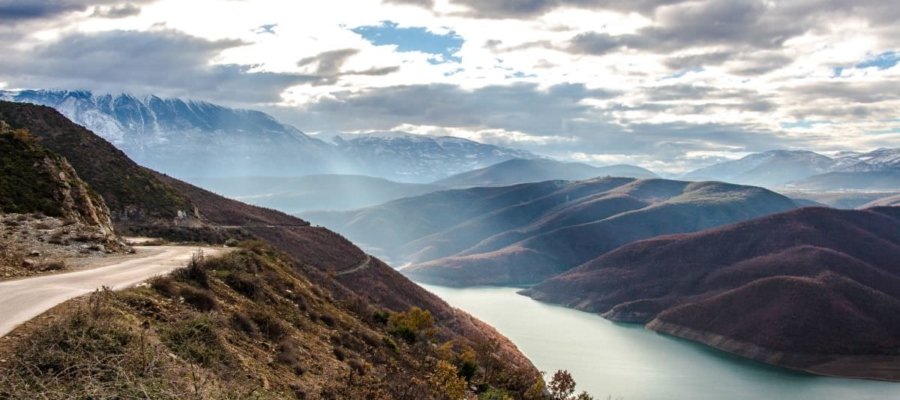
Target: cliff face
column 35, row 180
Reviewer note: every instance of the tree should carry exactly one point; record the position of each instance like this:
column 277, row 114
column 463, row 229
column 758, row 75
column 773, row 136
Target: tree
column 446, row 380
column 562, row 387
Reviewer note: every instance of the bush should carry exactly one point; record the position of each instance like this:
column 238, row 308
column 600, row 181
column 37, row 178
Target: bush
column 200, row 299
column 245, row 284
column 269, row 325
column 163, row 285
column 194, row 273
column 244, row 323
column 412, row 323
column 196, row 340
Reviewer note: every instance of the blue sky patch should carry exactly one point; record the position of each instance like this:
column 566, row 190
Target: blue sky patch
column 884, row 60
column 803, row 123
column 443, row 47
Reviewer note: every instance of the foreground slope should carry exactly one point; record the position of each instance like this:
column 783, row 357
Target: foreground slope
column 815, row 289
column 148, row 202
column 526, row 233
column 537, row 170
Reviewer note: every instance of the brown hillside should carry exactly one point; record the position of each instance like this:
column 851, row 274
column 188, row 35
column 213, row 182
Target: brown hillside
column 797, row 289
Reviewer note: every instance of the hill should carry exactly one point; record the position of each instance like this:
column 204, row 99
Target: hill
column 313, row 192
column 526, row 233
column 538, row 170
column 316, row 254
column 814, row 289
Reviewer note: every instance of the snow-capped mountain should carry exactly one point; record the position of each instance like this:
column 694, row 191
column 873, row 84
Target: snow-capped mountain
column 190, row 139
column 418, row 158
column 875, row 170
column 769, row 168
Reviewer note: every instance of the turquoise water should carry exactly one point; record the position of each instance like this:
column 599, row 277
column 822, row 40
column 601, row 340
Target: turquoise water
column 631, row 363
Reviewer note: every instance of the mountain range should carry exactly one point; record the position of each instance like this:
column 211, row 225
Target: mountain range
column 526, row 233
column 191, row 139
column 815, row 289
column 806, row 170
column 519, row 170
column 287, row 253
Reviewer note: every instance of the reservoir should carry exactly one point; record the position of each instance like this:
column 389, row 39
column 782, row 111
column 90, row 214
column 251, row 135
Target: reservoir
column 628, row 362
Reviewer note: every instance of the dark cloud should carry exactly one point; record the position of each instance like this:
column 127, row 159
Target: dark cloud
column 160, row 62
column 522, row 107
column 12, row 11
column 698, row 60
column 123, row 11
column 531, row 8
column 850, row 92
column 329, row 66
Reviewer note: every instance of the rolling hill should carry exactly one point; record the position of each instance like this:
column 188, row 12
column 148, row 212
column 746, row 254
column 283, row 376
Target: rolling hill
column 145, row 201
column 891, row 201
column 537, row 170
column 814, row 289
column 313, row 192
column 526, row 233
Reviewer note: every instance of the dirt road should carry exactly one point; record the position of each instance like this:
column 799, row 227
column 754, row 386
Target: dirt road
column 24, row 299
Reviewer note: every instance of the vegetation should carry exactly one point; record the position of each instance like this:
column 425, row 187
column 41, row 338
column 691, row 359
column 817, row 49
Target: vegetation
column 26, row 184
column 245, row 325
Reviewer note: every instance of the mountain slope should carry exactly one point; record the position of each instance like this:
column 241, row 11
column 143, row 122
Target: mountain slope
column 419, row 158
column 803, row 289
column 771, row 168
column 195, row 139
column 189, row 138
column 313, row 192
column 526, row 233
column 314, row 253
column 537, row 170
column 886, row 180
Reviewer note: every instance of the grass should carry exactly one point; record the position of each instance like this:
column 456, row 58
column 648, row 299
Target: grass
column 198, row 334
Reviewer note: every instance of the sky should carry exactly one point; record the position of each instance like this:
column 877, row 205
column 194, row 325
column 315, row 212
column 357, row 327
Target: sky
column 670, row 85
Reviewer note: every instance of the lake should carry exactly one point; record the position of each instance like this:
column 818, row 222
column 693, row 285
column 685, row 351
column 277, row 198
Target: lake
column 631, row 363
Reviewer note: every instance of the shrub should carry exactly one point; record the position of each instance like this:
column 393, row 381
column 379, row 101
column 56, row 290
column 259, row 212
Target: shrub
column 200, row 299
column 163, row 285
column 196, row 340
column 244, row 323
column 245, row 284
column 194, row 272
column 269, row 325
column 410, row 324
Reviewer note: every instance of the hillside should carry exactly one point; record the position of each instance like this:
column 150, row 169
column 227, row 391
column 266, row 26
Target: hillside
column 316, row 253
column 253, row 325
column 537, row 170
column 815, row 289
column 526, row 233
column 313, row 192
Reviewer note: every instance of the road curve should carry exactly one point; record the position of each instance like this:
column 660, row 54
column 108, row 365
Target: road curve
column 24, row 299
column 363, row 265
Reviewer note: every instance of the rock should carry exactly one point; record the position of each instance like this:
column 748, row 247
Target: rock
column 34, row 254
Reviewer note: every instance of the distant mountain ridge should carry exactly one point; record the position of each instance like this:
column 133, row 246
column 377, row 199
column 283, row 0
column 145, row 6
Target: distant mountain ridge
column 875, row 170
column 519, row 170
column 528, row 232
column 190, row 139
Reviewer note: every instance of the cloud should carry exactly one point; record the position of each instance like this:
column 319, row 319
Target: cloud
column 330, row 63
column 21, row 11
column 123, row 11
column 160, row 62
column 517, row 107
column 532, row 8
